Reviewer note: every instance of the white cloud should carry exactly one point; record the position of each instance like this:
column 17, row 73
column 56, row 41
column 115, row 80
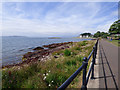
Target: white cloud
column 0, row 19
column 104, row 27
column 115, row 13
column 65, row 19
column 60, row 1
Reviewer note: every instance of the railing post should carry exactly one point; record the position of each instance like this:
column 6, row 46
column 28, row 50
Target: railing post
column 93, row 61
column 84, row 87
column 97, row 45
column 95, row 49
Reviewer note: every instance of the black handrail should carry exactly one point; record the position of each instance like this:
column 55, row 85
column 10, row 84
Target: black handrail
column 84, row 68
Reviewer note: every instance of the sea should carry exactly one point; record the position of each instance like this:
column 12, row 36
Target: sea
column 14, row 47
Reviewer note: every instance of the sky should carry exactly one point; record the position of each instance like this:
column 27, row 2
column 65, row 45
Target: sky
column 57, row 19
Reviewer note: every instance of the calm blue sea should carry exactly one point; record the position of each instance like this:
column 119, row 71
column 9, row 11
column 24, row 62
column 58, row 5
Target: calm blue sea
column 14, row 47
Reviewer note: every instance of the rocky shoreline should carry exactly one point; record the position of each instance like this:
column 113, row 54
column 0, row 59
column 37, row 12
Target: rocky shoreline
column 40, row 54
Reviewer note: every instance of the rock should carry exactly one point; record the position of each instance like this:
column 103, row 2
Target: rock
column 61, row 54
column 30, row 48
column 39, row 59
column 55, row 56
column 38, row 48
column 54, row 45
column 21, row 50
column 62, row 48
column 67, row 47
column 29, row 54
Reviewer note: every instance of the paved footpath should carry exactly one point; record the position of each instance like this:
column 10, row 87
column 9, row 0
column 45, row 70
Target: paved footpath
column 108, row 65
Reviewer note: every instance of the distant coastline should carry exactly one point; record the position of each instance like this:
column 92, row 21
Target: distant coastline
column 85, row 37
column 54, row 37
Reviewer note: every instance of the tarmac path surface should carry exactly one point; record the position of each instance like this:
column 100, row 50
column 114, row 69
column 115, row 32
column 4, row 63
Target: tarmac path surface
column 108, row 65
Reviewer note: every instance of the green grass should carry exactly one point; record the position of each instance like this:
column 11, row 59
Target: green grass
column 49, row 74
column 67, row 52
column 115, row 42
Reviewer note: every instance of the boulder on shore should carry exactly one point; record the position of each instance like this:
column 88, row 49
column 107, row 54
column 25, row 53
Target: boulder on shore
column 38, row 48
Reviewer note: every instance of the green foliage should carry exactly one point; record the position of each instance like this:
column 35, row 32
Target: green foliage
column 34, row 81
column 77, row 48
column 86, row 34
column 101, row 34
column 57, row 52
column 73, row 53
column 115, row 27
column 70, row 63
column 59, row 66
column 97, row 34
column 115, row 42
column 67, row 52
column 14, row 78
column 55, row 79
column 83, row 43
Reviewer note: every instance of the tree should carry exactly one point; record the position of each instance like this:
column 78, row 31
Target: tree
column 104, row 35
column 97, row 34
column 101, row 34
column 86, row 34
column 115, row 27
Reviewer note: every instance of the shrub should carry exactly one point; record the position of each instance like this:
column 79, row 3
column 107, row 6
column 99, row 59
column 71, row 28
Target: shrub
column 71, row 62
column 67, row 52
column 77, row 48
column 56, row 79
column 16, row 78
column 78, row 58
column 73, row 53
column 83, row 43
column 59, row 66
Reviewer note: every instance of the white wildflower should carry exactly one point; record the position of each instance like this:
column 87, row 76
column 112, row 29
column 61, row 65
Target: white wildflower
column 52, row 81
column 46, row 73
column 18, row 67
column 49, row 70
column 4, row 69
column 43, row 74
column 42, row 59
column 44, row 78
column 49, row 85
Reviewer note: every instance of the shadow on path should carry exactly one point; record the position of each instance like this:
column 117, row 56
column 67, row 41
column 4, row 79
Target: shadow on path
column 103, row 59
column 103, row 77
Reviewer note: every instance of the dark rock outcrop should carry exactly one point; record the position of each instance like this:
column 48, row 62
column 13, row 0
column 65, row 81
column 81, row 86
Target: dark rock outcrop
column 54, row 45
column 55, row 56
column 40, row 53
column 38, row 48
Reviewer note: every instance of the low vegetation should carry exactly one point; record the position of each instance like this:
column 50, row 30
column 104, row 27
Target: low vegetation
column 67, row 52
column 115, row 42
column 51, row 73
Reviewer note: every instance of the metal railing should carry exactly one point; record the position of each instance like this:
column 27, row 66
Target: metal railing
column 86, row 76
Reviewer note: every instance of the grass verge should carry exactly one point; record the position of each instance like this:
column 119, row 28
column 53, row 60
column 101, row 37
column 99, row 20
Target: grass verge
column 115, row 42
